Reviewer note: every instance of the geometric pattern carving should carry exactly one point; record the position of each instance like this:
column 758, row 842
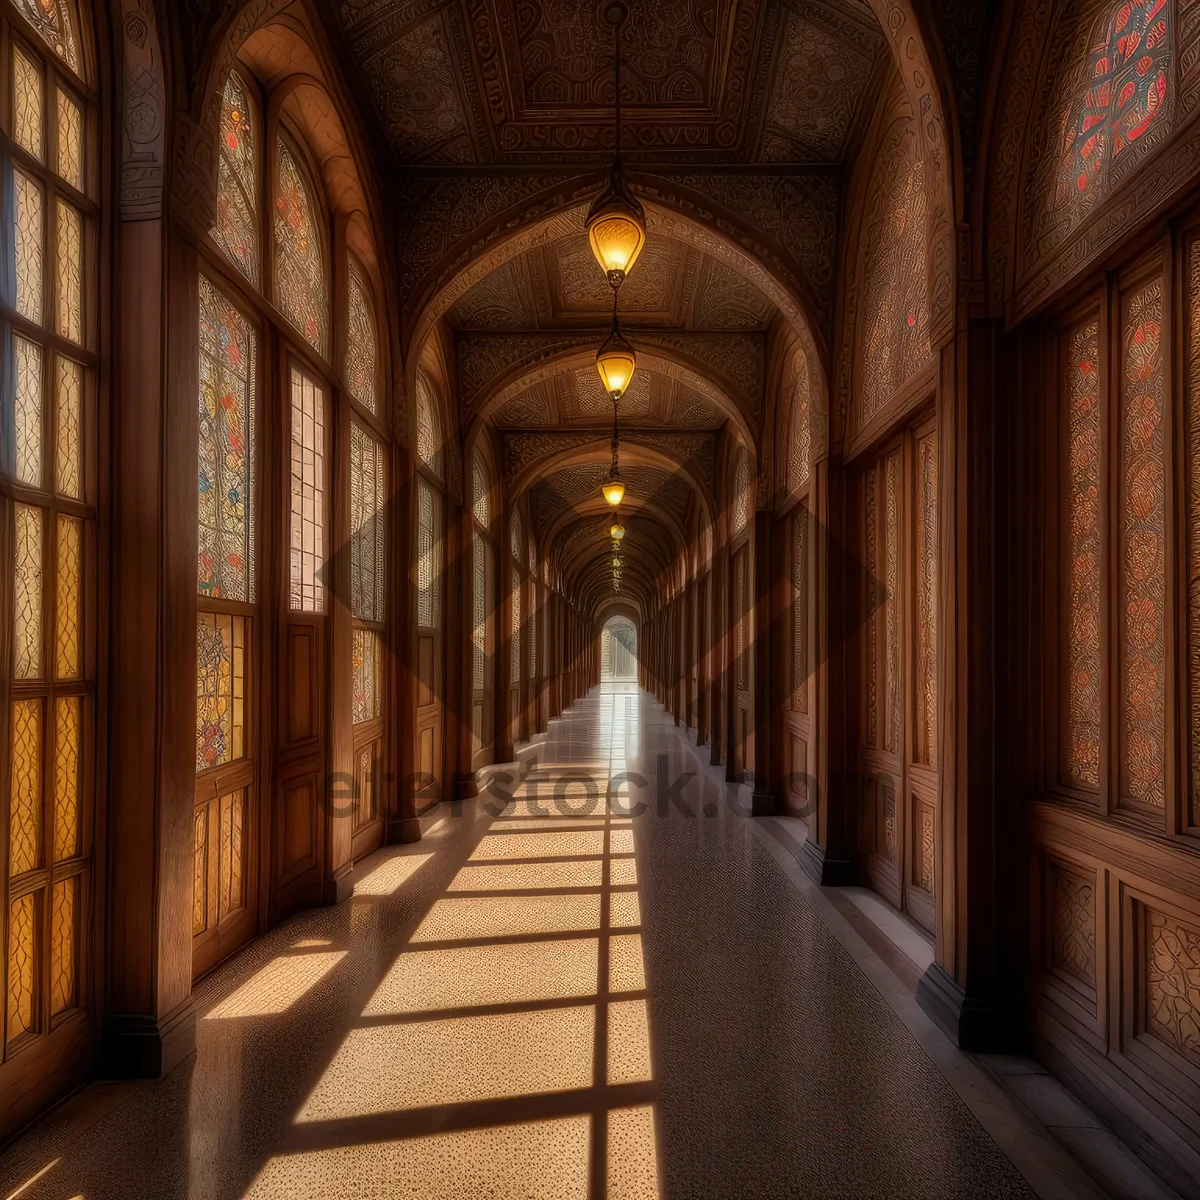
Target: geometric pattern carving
column 1081, row 750
column 1173, row 983
column 1142, row 555
column 1073, row 924
column 893, row 340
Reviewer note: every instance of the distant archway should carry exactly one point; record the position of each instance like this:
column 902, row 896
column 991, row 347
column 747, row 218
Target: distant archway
column 618, row 650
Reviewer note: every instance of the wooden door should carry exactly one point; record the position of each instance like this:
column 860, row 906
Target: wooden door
column 897, row 516
column 430, row 716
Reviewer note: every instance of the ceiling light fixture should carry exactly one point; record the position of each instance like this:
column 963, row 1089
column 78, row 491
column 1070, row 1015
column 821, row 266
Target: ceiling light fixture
column 613, row 488
column 616, row 529
column 616, row 222
column 616, row 360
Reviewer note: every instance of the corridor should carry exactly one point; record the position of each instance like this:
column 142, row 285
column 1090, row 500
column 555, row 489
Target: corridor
column 558, row 999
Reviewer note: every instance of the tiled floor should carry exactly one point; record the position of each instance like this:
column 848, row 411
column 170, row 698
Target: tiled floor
column 557, row 996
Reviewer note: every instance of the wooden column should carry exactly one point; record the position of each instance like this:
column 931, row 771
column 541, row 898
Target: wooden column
column 960, row 990
column 716, row 651
column 150, row 1022
column 765, row 799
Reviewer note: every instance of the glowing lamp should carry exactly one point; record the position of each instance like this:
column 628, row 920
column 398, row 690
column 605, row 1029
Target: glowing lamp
column 616, row 361
column 616, row 229
column 617, row 529
column 613, row 489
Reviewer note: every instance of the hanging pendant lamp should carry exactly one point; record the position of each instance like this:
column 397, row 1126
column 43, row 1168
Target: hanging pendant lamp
column 616, row 222
column 613, row 489
column 616, row 360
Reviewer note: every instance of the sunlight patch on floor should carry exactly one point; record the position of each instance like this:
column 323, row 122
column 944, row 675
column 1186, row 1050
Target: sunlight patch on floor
column 509, row 877
column 475, row 976
column 556, row 844
column 538, row 1160
column 632, row 1156
column 390, row 875
column 277, row 986
column 454, row 1060
column 456, row 920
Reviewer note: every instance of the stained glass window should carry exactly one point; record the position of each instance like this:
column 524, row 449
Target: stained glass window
column 25, row 802
column 27, row 592
column 23, row 943
column 27, row 103
column 800, row 433
column 1142, row 557
column 479, row 493
column 68, row 449
column 429, row 428
column 925, row 740
column 366, row 676
column 300, row 288
column 1191, row 460
column 67, row 718
column 68, row 584
column 1114, row 94
column 28, row 217
column 27, row 406
column 361, row 353
column 52, row 22
column 429, row 556
column 69, row 276
column 70, row 141
column 63, row 925
column 236, row 228
column 533, row 646
column 225, row 472
column 220, row 689
column 307, row 494
column 1081, row 749
column 368, row 527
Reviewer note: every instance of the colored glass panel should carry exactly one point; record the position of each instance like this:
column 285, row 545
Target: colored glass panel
column 69, row 276
column 368, row 527
column 479, row 494
column 429, row 432
column 300, row 289
column 22, row 967
column 27, row 592
column 27, row 410
column 307, row 495
column 361, row 353
column 67, row 587
column 225, row 541
column 52, row 23
column 230, row 865
column 1142, row 598
column 25, row 803
column 220, row 689
column 478, row 614
column 366, row 676
column 800, row 434
column 1082, row 616
column 68, row 452
column 63, row 926
column 66, row 777
column 429, row 556
column 27, row 103
column 515, row 644
column 28, row 218
column 236, row 228
column 70, row 140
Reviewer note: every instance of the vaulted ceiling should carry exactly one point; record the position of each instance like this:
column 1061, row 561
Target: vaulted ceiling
column 757, row 106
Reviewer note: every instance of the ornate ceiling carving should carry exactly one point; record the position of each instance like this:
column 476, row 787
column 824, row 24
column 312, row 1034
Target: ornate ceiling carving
column 493, row 81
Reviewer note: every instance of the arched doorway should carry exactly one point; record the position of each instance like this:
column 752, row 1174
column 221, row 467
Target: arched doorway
column 618, row 650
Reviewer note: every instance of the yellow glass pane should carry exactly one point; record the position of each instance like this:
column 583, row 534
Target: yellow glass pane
column 22, row 967
column 66, row 603
column 66, row 777
column 25, row 804
column 28, row 217
column 68, row 472
column 27, row 410
column 27, row 591
column 62, row 945
column 233, row 809
column 27, row 103
column 69, row 272
column 220, row 689
column 70, row 140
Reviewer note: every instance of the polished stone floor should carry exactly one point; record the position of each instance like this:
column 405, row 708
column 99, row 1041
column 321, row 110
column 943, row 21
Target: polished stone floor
column 608, row 982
